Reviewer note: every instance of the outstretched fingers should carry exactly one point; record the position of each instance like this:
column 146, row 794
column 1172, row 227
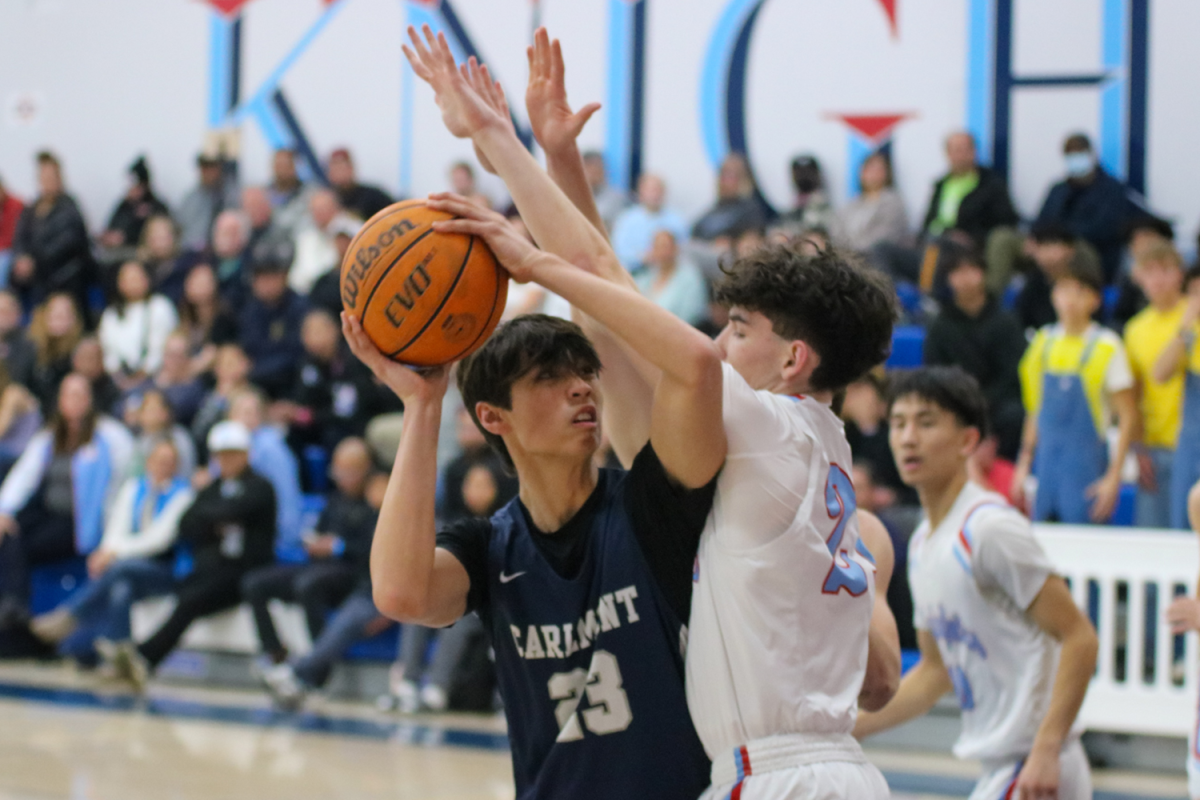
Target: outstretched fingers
column 461, row 207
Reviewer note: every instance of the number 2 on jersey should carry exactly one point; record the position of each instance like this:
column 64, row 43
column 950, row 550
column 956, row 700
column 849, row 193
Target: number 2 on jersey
column 609, row 711
column 841, row 504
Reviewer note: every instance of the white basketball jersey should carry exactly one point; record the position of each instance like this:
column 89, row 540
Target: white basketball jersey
column 782, row 600
column 972, row 581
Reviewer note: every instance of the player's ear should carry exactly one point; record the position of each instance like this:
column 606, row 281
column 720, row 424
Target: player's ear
column 800, row 360
column 490, row 419
column 971, row 438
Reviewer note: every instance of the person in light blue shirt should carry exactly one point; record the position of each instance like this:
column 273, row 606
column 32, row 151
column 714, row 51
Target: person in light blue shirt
column 673, row 283
column 633, row 232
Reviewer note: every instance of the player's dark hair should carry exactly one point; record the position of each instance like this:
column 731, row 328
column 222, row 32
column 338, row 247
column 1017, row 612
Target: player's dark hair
column 517, row 348
column 841, row 308
column 952, row 389
column 1085, row 271
column 1053, row 233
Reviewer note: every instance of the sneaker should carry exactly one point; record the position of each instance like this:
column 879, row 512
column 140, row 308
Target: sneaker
column 434, row 698
column 132, row 666
column 285, row 687
column 408, row 697
column 54, row 626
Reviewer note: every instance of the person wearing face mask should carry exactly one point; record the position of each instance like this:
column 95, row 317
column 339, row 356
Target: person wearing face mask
column 1091, row 204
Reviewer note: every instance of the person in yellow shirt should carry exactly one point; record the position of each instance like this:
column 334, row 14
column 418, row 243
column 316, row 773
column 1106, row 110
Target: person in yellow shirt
column 1182, row 356
column 1074, row 375
column 1158, row 271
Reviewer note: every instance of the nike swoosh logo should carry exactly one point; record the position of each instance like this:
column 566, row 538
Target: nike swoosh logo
column 508, row 578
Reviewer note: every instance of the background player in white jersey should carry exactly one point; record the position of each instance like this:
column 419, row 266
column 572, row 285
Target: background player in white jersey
column 785, row 593
column 1184, row 616
column 994, row 622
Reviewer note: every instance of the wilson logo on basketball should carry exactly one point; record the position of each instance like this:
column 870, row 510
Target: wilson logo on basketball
column 365, row 257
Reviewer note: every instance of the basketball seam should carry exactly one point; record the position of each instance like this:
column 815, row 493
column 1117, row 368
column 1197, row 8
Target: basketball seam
column 487, row 319
column 446, row 299
column 379, row 280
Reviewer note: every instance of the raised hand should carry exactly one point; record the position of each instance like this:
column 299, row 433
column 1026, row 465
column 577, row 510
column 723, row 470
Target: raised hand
column 514, row 252
column 550, row 116
column 408, row 384
column 463, row 111
column 492, row 93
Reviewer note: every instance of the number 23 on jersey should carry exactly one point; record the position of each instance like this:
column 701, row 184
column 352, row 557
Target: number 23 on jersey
column 840, row 503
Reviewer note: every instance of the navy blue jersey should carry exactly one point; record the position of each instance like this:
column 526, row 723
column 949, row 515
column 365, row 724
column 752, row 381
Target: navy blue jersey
column 590, row 663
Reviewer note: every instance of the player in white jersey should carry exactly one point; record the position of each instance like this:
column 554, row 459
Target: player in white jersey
column 784, row 605
column 994, row 622
column 1184, row 616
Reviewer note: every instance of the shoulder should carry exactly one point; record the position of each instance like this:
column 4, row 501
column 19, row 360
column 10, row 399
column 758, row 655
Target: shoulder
column 991, row 516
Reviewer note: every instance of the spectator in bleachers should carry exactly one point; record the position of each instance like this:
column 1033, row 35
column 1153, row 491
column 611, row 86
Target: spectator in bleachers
column 737, row 208
column 51, row 249
column 338, row 549
column 137, row 206
column 52, row 502
column 1074, row 377
column 175, row 381
column 20, row 419
column 970, row 197
column 864, row 411
column 152, row 419
column 873, row 497
column 316, row 251
column 230, row 256
column 672, row 281
column 877, row 216
column 990, row 470
column 355, row 619
column 88, row 361
column 327, row 290
column 215, row 192
column 1090, row 203
column 160, row 251
column 231, row 370
column 271, row 458
column 132, row 562
column 462, row 182
column 55, row 330
column 475, row 484
column 975, row 333
column 10, row 213
column 610, row 202
column 16, row 350
column 259, row 216
column 811, row 207
column 1182, row 356
column 135, row 327
column 230, row 527
column 634, row 228
column 288, row 194
column 358, row 199
column 335, row 395
column 1142, row 232
column 1158, row 271
column 270, row 320
column 205, row 319
column 1052, row 248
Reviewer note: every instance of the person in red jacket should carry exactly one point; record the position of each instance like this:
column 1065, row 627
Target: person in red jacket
column 10, row 211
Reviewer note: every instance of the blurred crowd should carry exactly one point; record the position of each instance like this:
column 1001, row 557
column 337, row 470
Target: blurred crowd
column 179, row 408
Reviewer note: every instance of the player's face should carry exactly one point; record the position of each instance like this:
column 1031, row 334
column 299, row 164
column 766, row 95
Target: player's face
column 929, row 444
column 555, row 416
column 750, row 345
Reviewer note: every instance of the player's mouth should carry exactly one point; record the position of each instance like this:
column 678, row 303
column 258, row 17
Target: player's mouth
column 585, row 418
column 910, row 463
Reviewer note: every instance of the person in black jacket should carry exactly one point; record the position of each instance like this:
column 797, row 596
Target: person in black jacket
column 270, row 320
column 51, row 251
column 975, row 333
column 339, row 548
column 230, row 528
column 970, row 198
column 1091, row 204
column 137, row 206
column 359, row 199
column 335, row 396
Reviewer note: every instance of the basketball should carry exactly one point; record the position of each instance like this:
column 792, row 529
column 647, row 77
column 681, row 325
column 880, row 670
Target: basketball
column 424, row 298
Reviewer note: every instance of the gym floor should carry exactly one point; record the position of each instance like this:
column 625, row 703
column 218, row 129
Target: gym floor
column 65, row 736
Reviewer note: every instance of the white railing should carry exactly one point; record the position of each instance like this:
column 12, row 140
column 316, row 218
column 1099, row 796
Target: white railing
column 1142, row 685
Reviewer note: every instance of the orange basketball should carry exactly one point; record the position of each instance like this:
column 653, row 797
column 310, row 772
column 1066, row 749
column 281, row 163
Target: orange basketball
column 424, row 298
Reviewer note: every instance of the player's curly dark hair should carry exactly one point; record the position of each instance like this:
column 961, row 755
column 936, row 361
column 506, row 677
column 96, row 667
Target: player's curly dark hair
column 842, row 308
column 517, row 348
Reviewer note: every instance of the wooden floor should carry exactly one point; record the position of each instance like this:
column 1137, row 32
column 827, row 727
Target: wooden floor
column 65, row 737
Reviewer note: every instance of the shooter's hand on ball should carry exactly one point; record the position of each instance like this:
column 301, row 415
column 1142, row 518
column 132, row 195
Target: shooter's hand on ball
column 463, row 111
column 426, row 386
column 514, row 252
column 550, row 116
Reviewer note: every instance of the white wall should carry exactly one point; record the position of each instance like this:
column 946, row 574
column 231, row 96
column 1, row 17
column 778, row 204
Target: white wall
column 120, row 77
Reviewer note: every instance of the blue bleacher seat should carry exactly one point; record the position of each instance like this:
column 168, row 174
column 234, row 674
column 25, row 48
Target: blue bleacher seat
column 1123, row 514
column 909, row 295
column 908, row 343
column 1111, row 295
column 50, row 584
column 315, row 461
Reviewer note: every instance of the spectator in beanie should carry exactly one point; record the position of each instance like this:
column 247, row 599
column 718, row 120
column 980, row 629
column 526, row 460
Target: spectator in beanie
column 270, row 321
column 812, row 208
column 135, row 209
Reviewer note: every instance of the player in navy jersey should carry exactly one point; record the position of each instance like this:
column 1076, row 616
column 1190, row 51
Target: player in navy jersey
column 584, row 581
